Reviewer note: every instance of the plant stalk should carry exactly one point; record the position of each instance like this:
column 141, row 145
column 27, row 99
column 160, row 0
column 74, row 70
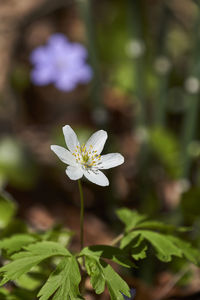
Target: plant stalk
column 81, row 215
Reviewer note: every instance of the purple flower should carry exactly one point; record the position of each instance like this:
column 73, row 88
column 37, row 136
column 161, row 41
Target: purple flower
column 133, row 293
column 61, row 63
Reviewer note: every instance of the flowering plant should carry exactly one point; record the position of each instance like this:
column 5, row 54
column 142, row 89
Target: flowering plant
column 60, row 62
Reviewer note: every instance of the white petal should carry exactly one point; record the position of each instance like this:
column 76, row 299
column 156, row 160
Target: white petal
column 74, row 173
column 64, row 155
column 71, row 139
column 98, row 177
column 97, row 140
column 111, row 160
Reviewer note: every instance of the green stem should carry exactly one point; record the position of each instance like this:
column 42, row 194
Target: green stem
column 117, row 239
column 191, row 117
column 136, row 25
column 81, row 213
column 86, row 11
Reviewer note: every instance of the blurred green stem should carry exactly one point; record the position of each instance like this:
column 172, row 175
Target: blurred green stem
column 163, row 76
column 81, row 214
column 136, row 33
column 190, row 119
column 85, row 7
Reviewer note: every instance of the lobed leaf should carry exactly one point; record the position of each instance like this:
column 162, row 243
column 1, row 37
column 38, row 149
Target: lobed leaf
column 116, row 285
column 158, row 226
column 163, row 245
column 130, row 218
column 63, row 283
column 129, row 239
column 95, row 272
column 28, row 282
column 113, row 253
column 16, row 242
column 33, row 255
column 140, row 231
column 139, row 248
column 192, row 254
column 102, row 273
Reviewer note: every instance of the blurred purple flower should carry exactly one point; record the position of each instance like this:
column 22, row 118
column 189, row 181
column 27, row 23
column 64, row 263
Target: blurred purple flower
column 61, row 63
column 133, row 293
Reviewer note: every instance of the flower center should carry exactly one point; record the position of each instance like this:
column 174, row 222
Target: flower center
column 86, row 157
column 61, row 63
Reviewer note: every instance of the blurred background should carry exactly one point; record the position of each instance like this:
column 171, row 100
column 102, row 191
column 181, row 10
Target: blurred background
column 145, row 57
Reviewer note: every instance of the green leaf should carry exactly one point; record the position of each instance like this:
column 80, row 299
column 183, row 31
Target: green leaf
column 139, row 248
column 116, row 285
column 160, row 226
column 95, row 272
column 113, row 253
column 129, row 239
column 63, row 283
column 139, row 232
column 192, row 254
column 16, row 242
column 163, row 244
column 33, row 255
column 100, row 273
column 134, row 244
column 7, row 210
column 58, row 234
column 28, row 282
column 130, row 218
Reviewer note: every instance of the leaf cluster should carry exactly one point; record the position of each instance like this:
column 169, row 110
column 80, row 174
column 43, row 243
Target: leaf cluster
column 63, row 272
column 140, row 233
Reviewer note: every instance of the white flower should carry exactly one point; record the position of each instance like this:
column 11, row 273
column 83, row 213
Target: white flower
column 86, row 159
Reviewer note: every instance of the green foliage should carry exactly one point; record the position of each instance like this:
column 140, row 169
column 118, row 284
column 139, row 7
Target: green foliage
column 164, row 247
column 63, row 283
column 113, row 253
column 16, row 242
column 58, row 234
column 167, row 150
column 139, row 248
column 102, row 273
column 33, row 255
column 30, row 282
column 139, row 233
column 116, row 285
column 190, row 253
column 7, row 210
column 16, row 163
column 130, row 218
column 29, row 254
